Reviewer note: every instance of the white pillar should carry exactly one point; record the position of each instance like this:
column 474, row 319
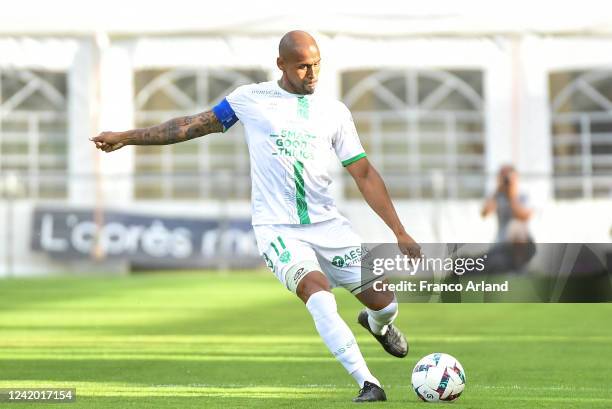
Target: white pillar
column 81, row 100
column 498, row 110
column 535, row 140
column 101, row 98
column 116, row 113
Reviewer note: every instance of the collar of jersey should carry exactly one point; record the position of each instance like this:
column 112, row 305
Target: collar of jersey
column 283, row 90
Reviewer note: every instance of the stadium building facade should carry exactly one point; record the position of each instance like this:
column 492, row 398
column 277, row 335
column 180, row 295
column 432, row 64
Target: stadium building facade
column 440, row 105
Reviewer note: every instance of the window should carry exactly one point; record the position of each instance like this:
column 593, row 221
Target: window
column 33, row 131
column 424, row 130
column 209, row 167
column 581, row 105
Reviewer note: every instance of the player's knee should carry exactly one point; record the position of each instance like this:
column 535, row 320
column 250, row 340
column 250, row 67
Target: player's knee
column 312, row 283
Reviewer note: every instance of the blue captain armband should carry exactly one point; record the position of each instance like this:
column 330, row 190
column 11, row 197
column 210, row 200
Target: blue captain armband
column 225, row 114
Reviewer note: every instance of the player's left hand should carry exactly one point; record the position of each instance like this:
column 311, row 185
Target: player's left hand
column 408, row 246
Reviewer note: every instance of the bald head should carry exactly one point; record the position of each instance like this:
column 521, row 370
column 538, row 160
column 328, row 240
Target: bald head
column 298, row 59
column 295, row 42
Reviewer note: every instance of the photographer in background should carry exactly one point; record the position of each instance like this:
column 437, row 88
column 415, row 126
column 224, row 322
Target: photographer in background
column 514, row 245
column 510, row 206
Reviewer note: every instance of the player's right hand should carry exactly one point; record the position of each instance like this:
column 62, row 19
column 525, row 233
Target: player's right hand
column 408, row 246
column 109, row 141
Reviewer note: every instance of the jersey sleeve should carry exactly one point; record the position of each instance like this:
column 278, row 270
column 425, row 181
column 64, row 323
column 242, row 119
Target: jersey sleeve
column 231, row 108
column 346, row 141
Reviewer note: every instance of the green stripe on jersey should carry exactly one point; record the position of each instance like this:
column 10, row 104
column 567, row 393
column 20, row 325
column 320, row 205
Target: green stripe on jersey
column 300, row 193
column 353, row 159
column 303, row 107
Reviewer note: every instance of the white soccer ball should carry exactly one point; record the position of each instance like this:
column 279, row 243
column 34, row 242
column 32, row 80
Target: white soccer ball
column 438, row 377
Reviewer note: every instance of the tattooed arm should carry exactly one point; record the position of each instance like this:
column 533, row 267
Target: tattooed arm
column 173, row 131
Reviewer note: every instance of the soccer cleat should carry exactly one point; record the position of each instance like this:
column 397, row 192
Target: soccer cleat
column 394, row 342
column 370, row 393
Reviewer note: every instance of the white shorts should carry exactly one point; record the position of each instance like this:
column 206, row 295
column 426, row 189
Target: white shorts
column 293, row 250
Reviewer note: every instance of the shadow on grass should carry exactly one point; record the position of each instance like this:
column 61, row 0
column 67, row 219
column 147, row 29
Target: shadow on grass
column 173, row 372
column 332, row 400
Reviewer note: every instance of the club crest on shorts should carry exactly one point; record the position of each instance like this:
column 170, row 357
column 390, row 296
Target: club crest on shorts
column 285, row 256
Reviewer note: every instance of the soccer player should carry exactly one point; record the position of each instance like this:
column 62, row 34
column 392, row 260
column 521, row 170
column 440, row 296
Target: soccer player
column 292, row 134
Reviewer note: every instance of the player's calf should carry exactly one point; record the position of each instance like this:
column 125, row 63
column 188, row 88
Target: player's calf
column 380, row 325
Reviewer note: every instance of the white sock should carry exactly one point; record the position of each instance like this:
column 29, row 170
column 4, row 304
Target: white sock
column 363, row 374
column 379, row 320
column 338, row 336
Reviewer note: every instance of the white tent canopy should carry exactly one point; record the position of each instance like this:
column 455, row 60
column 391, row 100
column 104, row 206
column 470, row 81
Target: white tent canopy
column 384, row 18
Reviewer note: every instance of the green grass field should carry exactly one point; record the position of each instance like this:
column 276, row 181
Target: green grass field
column 240, row 340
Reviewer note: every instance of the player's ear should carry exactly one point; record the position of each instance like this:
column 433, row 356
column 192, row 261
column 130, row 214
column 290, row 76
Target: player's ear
column 280, row 63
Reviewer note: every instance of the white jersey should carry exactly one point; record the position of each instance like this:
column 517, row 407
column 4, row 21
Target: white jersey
column 291, row 140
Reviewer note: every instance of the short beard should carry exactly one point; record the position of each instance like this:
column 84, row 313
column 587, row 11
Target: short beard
column 305, row 91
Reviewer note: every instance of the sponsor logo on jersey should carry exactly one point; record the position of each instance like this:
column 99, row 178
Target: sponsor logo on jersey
column 266, row 92
column 294, row 143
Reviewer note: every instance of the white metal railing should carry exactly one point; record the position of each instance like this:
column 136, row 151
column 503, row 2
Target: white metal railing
column 582, row 136
column 184, row 92
column 424, row 123
column 33, row 131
